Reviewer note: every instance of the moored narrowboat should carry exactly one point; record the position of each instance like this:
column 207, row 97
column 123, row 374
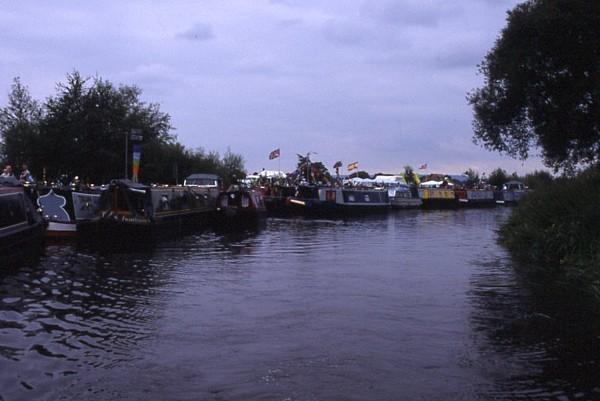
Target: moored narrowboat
column 438, row 198
column 474, row 197
column 402, row 197
column 21, row 225
column 239, row 205
column 331, row 201
column 512, row 192
column 127, row 207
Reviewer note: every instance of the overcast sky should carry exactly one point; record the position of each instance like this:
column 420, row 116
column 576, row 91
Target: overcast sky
column 378, row 82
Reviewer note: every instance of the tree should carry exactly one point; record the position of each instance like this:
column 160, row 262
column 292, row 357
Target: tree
column 85, row 128
column 498, row 178
column 542, row 84
column 472, row 177
column 312, row 171
column 232, row 167
column 19, row 126
column 538, row 179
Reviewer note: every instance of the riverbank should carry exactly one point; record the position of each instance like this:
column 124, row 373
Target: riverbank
column 555, row 233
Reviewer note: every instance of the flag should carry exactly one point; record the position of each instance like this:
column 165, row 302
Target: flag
column 274, row 154
column 423, row 166
column 137, row 154
column 337, row 165
column 352, row 166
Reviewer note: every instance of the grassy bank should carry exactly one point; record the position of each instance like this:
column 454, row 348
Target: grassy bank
column 555, row 232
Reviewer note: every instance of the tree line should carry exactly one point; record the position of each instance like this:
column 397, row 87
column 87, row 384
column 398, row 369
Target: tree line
column 81, row 131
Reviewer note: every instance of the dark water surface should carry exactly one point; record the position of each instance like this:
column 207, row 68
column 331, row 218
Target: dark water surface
column 410, row 306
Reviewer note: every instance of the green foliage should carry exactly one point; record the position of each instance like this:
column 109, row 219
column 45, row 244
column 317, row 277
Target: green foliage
column 537, row 179
column 541, row 84
column 19, row 126
column 498, row 177
column 82, row 130
column 555, row 230
column 231, row 167
column 86, row 125
column 472, row 177
column 312, row 171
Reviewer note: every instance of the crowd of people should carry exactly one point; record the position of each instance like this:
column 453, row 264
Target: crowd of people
column 24, row 176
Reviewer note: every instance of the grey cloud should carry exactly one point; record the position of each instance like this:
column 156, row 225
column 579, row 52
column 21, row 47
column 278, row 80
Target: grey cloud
column 408, row 13
column 459, row 58
column 199, row 32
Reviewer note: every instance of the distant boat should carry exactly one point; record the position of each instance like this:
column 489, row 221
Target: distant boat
column 127, row 207
column 240, row 205
column 438, row 198
column 21, row 225
column 512, row 192
column 64, row 207
column 474, row 197
column 402, row 197
column 340, row 200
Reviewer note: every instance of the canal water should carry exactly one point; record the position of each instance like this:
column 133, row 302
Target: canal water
column 410, row 306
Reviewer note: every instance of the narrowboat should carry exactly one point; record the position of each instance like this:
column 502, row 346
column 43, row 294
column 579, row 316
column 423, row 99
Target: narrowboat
column 128, row 207
column 512, row 192
column 474, row 197
column 403, row 197
column 239, row 205
column 21, row 225
column 276, row 198
column 63, row 207
column 208, row 185
column 341, row 200
column 438, row 198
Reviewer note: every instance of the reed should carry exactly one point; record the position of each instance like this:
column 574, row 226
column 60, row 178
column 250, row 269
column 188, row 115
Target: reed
column 555, row 231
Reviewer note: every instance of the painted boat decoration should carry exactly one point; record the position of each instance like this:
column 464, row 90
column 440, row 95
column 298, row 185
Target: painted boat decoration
column 64, row 208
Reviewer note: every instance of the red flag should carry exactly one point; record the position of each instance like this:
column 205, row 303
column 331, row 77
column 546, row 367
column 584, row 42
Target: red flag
column 423, row 166
column 274, row 154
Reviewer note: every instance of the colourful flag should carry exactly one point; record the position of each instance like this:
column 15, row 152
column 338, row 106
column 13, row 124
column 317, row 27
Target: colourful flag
column 423, row 166
column 352, row 166
column 274, row 154
column 137, row 154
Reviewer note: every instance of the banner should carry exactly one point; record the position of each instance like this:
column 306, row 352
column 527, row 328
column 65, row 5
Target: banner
column 352, row 166
column 274, row 154
column 137, row 155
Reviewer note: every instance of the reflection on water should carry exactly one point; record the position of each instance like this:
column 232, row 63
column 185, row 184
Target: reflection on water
column 414, row 305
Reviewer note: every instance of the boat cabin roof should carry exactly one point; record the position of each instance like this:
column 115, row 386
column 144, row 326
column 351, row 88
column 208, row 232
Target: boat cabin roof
column 129, row 184
column 10, row 182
